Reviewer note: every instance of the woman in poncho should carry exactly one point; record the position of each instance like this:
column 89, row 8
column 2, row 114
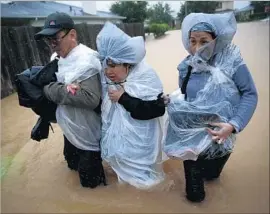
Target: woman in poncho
column 217, row 100
column 131, row 107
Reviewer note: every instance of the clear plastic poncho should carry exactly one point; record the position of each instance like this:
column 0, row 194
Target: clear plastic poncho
column 187, row 136
column 81, row 126
column 131, row 147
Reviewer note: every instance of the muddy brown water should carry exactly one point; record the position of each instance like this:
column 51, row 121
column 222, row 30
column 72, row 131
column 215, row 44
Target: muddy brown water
column 36, row 179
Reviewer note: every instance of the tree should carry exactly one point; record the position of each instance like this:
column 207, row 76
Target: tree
column 134, row 11
column 160, row 13
column 197, row 7
column 259, row 6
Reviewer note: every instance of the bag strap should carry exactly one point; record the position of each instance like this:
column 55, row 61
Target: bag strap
column 185, row 82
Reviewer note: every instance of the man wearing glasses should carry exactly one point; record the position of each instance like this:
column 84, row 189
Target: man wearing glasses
column 77, row 94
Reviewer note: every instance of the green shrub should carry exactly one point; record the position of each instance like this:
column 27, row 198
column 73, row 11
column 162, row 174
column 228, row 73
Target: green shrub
column 158, row 29
column 257, row 16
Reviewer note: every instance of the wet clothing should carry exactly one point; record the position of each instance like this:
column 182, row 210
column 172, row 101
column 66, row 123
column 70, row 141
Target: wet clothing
column 78, row 114
column 87, row 96
column 131, row 132
column 87, row 163
column 220, row 88
column 142, row 110
column 198, row 171
column 245, row 84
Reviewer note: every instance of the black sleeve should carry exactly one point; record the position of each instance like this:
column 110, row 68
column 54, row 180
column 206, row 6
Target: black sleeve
column 140, row 109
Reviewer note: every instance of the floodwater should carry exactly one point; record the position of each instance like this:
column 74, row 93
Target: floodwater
column 38, row 180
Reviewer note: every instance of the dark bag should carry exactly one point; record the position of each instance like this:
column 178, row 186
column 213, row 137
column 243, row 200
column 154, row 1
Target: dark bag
column 46, row 75
column 29, row 95
column 30, row 85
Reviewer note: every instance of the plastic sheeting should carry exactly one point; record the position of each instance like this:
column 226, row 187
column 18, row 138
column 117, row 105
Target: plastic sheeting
column 81, row 126
column 187, row 137
column 114, row 44
column 131, row 147
column 224, row 26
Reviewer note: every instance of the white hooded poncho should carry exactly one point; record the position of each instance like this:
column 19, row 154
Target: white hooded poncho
column 131, row 147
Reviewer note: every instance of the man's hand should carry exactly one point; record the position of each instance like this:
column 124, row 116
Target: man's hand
column 116, row 94
column 223, row 133
column 72, row 88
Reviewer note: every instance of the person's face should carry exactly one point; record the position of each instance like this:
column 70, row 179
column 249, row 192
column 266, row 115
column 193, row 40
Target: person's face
column 199, row 39
column 62, row 42
column 116, row 72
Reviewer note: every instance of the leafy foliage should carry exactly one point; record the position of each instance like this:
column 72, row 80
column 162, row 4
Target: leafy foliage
column 134, row 11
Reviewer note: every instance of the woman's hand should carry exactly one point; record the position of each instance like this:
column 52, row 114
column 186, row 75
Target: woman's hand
column 116, row 94
column 166, row 99
column 72, row 88
column 223, row 133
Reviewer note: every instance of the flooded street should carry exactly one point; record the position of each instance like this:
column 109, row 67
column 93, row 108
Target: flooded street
column 38, row 180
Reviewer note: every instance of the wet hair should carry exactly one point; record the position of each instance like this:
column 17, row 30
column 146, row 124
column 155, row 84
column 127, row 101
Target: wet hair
column 112, row 64
column 127, row 65
column 212, row 34
column 203, row 27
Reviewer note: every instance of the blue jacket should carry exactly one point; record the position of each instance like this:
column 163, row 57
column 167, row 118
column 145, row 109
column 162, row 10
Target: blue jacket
column 248, row 97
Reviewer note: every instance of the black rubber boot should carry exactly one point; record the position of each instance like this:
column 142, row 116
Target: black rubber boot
column 194, row 181
column 213, row 167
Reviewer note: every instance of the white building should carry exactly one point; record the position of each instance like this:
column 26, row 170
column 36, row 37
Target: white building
column 225, row 6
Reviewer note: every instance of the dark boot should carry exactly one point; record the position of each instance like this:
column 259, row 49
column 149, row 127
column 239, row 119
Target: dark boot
column 213, row 167
column 194, row 181
column 90, row 169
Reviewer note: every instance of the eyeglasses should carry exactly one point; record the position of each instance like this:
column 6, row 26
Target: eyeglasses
column 54, row 40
